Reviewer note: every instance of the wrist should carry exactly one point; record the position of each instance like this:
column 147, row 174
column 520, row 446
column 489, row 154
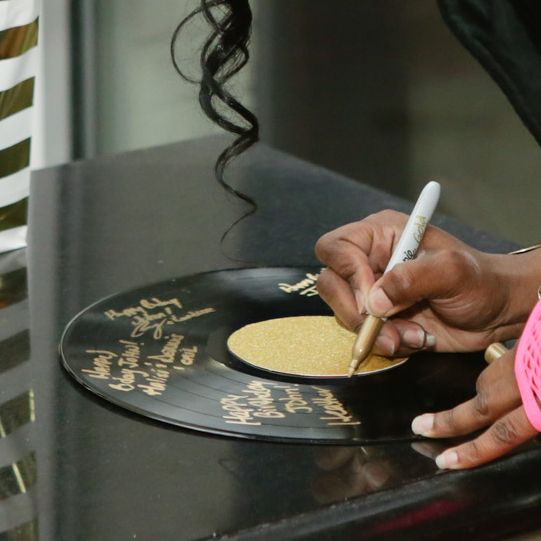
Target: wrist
column 520, row 277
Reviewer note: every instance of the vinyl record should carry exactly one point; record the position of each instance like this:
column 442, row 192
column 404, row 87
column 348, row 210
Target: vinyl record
column 160, row 351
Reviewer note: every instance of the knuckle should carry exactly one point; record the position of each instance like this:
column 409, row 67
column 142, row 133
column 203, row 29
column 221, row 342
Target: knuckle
column 480, row 383
column 347, row 269
column 449, row 418
column 385, row 216
column 323, row 283
column 454, row 261
column 381, row 215
column 322, row 246
column 481, row 404
column 444, row 421
column 385, row 219
column 377, row 216
column 504, row 433
column 471, row 452
column 343, row 262
column 338, row 253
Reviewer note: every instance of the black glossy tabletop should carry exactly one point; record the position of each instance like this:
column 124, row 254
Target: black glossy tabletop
column 74, row 467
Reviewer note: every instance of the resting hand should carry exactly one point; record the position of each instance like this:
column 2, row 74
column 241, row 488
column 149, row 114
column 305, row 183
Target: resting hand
column 497, row 405
column 451, row 297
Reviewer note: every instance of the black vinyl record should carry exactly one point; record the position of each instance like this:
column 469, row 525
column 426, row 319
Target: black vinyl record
column 160, row 351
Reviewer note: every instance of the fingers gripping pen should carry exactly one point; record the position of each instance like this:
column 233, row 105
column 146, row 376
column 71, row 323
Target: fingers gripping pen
column 405, row 250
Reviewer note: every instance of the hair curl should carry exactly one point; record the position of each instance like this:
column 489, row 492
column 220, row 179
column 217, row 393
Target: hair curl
column 224, row 54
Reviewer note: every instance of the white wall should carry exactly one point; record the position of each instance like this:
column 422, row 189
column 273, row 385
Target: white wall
column 142, row 101
column 51, row 141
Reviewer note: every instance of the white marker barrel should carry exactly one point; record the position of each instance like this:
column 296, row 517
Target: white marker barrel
column 416, row 225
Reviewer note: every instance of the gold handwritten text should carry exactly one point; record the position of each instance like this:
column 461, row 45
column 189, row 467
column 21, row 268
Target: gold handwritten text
column 238, row 412
column 101, row 364
column 306, row 286
column 335, row 412
column 153, row 315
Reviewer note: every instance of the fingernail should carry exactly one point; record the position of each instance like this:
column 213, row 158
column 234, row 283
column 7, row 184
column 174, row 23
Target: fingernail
column 414, row 338
column 359, row 298
column 378, row 302
column 430, row 449
column 423, row 424
column 447, row 460
column 385, row 345
column 430, row 341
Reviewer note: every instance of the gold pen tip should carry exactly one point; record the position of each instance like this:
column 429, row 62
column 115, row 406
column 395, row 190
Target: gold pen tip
column 364, row 342
column 358, row 359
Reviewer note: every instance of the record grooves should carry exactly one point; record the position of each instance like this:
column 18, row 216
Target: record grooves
column 160, row 351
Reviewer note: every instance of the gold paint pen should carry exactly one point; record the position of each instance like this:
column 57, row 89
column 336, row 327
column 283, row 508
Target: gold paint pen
column 405, row 250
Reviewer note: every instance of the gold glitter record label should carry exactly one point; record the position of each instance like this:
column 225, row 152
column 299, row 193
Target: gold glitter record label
column 309, row 346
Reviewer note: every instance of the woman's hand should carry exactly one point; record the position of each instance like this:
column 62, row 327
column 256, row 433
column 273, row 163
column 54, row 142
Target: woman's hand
column 497, row 405
column 450, row 298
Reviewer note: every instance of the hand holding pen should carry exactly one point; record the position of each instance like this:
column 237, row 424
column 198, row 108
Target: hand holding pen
column 452, row 297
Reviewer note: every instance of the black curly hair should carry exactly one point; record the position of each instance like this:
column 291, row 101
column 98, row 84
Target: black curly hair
column 224, row 54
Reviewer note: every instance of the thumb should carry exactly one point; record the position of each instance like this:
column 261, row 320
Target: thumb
column 431, row 276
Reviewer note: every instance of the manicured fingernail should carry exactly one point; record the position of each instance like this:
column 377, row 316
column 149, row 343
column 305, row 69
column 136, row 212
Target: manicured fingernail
column 414, row 338
column 447, row 460
column 379, row 303
column 427, row 448
column 423, row 424
column 359, row 298
column 430, row 341
column 385, row 345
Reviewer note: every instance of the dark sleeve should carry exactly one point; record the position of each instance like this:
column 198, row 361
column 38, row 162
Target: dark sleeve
column 505, row 37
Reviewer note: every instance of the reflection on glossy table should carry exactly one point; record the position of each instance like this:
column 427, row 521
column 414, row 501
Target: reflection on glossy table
column 77, row 468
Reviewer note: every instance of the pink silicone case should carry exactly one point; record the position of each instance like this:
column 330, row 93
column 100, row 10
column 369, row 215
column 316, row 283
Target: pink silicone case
column 528, row 367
